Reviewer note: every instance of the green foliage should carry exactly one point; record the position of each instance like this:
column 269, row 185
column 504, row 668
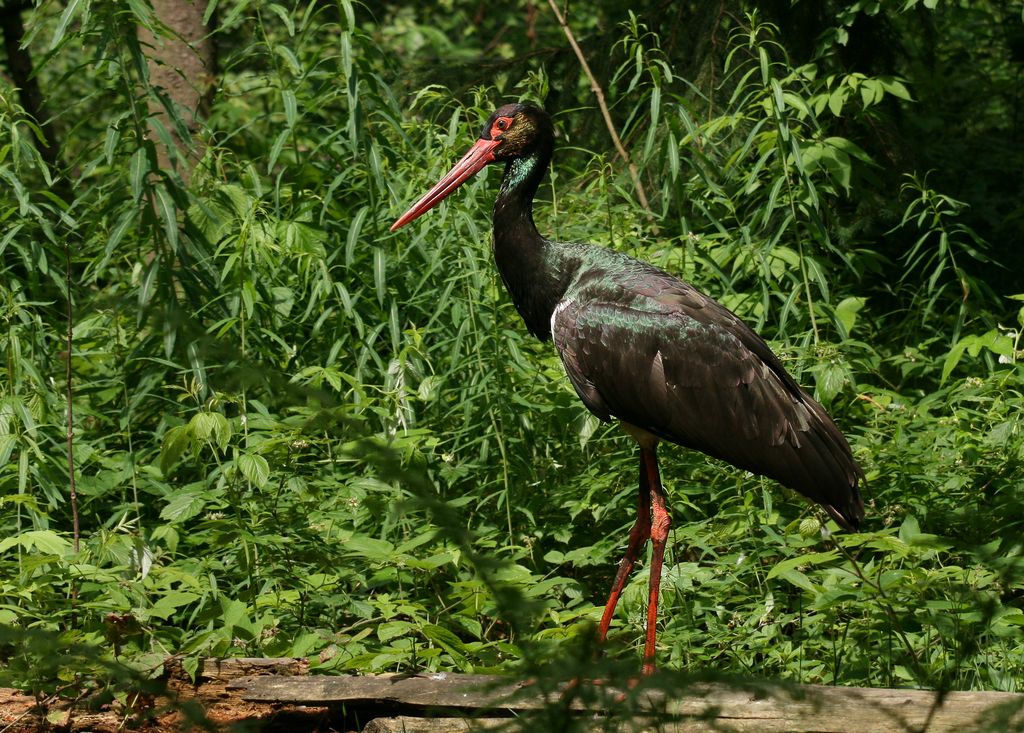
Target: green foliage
column 297, row 434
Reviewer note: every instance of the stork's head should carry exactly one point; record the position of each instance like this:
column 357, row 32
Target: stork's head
column 513, row 131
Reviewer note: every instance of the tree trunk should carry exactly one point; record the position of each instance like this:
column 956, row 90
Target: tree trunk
column 181, row 57
column 19, row 65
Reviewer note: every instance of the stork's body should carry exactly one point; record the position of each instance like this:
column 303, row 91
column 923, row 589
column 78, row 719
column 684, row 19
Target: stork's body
column 641, row 346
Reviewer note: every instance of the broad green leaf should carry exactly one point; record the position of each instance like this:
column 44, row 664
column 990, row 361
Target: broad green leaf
column 895, row 87
column 170, row 601
column 211, row 426
column 996, row 342
column 797, row 578
column 446, row 640
column 846, row 313
column 236, row 615
column 811, row 558
column 43, row 540
column 830, row 379
column 848, row 147
column 369, row 547
column 392, row 629
column 870, row 92
column 184, row 505
column 836, row 100
column 255, row 468
column 176, row 441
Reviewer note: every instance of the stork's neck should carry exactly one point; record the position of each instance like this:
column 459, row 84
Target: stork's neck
column 536, row 272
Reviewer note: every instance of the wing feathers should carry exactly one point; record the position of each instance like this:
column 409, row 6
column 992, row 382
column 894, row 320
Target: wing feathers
column 684, row 368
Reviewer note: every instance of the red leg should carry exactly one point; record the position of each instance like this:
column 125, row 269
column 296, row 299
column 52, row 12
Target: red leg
column 660, row 522
column 637, row 537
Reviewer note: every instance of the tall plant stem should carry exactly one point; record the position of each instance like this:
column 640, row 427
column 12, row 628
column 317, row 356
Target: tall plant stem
column 70, row 395
column 605, row 113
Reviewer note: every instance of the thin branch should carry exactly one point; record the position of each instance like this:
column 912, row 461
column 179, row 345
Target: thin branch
column 70, row 395
column 599, row 93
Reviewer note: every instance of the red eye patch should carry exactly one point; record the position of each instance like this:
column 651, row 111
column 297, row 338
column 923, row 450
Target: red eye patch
column 500, row 126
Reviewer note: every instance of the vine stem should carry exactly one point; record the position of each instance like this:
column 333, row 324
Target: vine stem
column 595, row 87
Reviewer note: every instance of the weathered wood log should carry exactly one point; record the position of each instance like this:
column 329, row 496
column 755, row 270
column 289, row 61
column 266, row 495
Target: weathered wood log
column 225, row 670
column 440, row 690
column 762, row 707
column 230, row 691
column 821, row 709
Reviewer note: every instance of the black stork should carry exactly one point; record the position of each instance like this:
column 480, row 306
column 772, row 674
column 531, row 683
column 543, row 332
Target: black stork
column 645, row 348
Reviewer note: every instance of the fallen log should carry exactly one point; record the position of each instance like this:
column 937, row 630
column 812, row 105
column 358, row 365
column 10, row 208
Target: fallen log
column 280, row 694
column 762, row 707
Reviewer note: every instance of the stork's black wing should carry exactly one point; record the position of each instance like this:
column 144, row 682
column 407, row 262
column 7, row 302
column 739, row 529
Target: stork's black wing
column 681, row 366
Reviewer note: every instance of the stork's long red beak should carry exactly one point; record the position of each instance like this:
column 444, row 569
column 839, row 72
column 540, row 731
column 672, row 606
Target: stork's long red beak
column 473, row 161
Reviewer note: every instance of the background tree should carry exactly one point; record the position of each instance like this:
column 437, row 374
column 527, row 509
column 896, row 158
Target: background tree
column 181, row 61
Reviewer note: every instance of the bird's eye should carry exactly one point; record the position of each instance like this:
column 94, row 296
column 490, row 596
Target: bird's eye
column 502, row 123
